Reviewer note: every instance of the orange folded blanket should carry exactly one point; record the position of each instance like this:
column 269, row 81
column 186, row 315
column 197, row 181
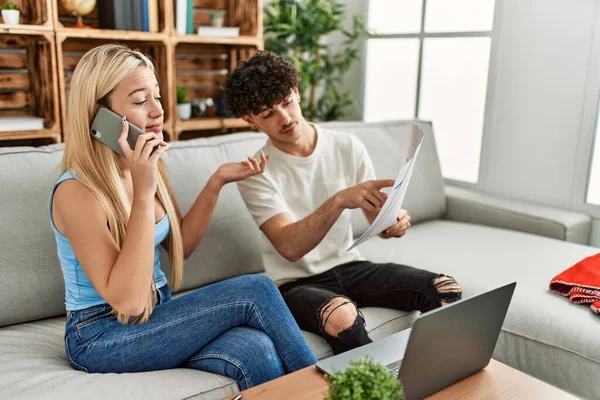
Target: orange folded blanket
column 580, row 283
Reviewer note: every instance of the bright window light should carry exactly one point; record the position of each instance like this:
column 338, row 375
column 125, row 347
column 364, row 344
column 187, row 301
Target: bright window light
column 433, row 66
column 391, row 79
column 395, row 16
column 453, row 91
column 459, row 15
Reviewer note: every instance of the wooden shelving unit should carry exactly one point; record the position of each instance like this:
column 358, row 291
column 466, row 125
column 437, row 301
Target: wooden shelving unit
column 35, row 15
column 38, row 56
column 28, row 84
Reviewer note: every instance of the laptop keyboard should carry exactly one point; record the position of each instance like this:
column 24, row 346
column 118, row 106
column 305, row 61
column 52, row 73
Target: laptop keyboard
column 394, row 369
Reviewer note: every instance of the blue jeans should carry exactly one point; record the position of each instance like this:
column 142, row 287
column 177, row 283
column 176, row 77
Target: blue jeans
column 240, row 328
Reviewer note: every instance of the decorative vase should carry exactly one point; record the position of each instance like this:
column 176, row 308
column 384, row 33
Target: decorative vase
column 11, row 17
column 184, row 110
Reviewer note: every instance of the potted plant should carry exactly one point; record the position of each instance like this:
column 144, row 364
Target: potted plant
column 217, row 18
column 10, row 13
column 365, row 379
column 298, row 30
column 184, row 108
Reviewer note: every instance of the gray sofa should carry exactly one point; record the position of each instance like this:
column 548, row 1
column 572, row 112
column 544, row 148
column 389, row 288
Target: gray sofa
column 481, row 240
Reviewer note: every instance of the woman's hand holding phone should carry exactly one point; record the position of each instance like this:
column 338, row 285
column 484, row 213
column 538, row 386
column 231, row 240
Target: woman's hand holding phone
column 142, row 161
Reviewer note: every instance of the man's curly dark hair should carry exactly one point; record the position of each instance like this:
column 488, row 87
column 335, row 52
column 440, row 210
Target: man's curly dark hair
column 262, row 80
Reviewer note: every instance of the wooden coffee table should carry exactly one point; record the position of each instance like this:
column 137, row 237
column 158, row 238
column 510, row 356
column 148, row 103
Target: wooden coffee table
column 496, row 381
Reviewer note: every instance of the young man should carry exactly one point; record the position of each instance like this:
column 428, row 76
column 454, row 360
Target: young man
column 300, row 204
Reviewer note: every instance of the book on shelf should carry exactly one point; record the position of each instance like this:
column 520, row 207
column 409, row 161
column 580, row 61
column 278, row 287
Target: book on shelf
column 225, row 31
column 13, row 123
column 153, row 15
column 129, row 15
column 136, row 11
column 145, row 16
column 181, row 16
column 189, row 26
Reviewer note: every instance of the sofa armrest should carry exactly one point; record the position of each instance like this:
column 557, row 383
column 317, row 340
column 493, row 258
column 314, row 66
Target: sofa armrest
column 467, row 205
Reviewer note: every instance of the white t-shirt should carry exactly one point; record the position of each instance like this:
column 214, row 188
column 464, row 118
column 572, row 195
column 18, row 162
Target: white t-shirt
column 298, row 186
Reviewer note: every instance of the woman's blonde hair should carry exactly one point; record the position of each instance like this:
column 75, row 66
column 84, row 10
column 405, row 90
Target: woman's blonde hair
column 97, row 166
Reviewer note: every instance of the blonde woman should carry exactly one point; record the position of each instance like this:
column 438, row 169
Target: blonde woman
column 109, row 214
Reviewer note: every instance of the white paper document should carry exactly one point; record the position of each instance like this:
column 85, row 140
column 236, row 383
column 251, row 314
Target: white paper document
column 391, row 208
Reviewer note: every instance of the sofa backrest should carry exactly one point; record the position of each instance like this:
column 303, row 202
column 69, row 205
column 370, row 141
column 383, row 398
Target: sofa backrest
column 33, row 287
column 32, row 283
column 231, row 245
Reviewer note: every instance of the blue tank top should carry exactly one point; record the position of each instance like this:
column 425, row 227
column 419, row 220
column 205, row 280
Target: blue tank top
column 79, row 291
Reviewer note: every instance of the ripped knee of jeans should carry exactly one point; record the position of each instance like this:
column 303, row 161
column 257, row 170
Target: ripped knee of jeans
column 447, row 288
column 338, row 314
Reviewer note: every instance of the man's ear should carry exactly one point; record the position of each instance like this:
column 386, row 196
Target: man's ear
column 250, row 122
column 297, row 93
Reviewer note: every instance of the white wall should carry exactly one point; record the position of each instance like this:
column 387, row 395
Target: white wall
column 541, row 55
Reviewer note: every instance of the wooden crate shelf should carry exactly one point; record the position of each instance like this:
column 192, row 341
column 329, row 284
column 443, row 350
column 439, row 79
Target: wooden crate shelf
column 28, row 82
column 65, row 20
column 203, row 70
column 53, row 135
column 240, row 41
column 23, row 29
column 35, row 15
column 35, row 77
column 111, row 34
column 245, row 14
column 209, row 123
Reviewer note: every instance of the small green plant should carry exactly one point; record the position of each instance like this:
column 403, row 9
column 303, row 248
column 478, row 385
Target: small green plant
column 217, row 14
column 9, row 6
column 181, row 94
column 365, row 379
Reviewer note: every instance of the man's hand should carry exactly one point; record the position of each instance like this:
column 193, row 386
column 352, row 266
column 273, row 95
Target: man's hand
column 367, row 195
column 399, row 228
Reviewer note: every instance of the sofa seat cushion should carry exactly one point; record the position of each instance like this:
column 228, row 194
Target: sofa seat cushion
column 33, row 364
column 543, row 335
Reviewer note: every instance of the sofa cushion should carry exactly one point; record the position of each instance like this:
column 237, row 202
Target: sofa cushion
column 543, row 335
column 231, row 245
column 384, row 140
column 32, row 283
column 33, row 365
column 33, row 361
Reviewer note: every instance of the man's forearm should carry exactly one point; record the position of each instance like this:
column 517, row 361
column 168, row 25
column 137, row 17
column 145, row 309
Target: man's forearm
column 299, row 238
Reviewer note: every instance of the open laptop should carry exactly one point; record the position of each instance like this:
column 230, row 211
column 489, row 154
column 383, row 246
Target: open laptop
column 444, row 346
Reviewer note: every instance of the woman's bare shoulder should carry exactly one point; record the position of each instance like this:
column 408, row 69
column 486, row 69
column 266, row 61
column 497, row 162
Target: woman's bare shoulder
column 75, row 202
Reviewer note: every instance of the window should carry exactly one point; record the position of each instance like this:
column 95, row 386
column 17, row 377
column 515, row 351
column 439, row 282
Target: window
column 593, row 185
column 431, row 62
column 585, row 196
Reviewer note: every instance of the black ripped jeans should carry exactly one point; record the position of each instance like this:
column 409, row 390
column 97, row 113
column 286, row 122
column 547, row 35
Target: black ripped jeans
column 367, row 285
